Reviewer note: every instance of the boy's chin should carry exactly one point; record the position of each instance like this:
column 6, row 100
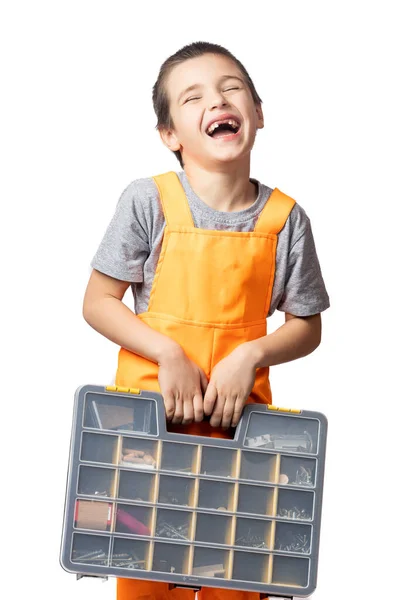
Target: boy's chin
column 218, row 157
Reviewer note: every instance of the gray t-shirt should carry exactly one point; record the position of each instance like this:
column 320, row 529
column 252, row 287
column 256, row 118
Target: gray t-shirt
column 132, row 243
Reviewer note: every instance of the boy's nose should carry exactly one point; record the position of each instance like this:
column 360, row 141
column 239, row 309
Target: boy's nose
column 217, row 101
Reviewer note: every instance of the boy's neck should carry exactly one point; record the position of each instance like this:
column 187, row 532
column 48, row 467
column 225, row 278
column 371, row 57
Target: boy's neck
column 224, row 190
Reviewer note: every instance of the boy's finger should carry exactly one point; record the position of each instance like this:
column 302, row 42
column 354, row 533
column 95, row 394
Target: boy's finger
column 187, row 410
column 198, row 407
column 218, row 411
column 178, row 413
column 169, row 403
column 228, row 412
column 209, row 398
column 203, row 381
column 237, row 411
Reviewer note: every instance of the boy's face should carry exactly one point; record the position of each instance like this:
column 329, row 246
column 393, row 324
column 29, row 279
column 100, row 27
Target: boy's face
column 205, row 92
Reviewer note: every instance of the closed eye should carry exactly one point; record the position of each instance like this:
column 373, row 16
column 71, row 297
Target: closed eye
column 192, row 98
column 231, row 88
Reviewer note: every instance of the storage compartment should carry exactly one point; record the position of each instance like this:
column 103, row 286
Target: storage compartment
column 96, row 481
column 292, row 537
column 103, row 411
column 258, row 466
column 193, row 510
column 253, row 533
column 221, row 462
column 179, row 457
column 99, row 448
column 90, row 549
column 136, row 486
column 176, row 490
column 171, row 558
column 137, row 453
column 130, row 554
column 295, row 504
column 297, row 471
column 90, row 514
column 216, row 494
column 174, row 524
column 290, row 571
column 210, row 562
column 249, row 566
column 136, row 520
column 255, row 499
column 214, row 529
column 282, row 433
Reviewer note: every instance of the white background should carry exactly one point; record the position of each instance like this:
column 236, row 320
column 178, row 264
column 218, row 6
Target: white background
column 78, row 126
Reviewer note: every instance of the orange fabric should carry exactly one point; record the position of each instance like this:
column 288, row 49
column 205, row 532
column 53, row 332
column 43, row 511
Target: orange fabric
column 211, row 293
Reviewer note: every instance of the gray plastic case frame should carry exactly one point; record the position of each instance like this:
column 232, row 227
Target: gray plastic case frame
column 145, row 503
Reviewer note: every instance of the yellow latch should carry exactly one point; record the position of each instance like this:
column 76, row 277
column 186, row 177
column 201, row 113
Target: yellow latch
column 123, row 390
column 280, row 409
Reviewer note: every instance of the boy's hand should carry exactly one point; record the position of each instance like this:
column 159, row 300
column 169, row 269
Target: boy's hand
column 231, row 382
column 182, row 385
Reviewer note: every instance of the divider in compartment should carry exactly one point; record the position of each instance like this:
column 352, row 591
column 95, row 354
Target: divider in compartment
column 96, row 481
column 258, row 466
column 133, row 519
column 99, row 448
column 219, row 495
column 171, row 558
column 91, row 514
column 253, row 533
column 297, row 471
column 221, row 462
column 177, row 456
column 295, row 504
column 293, row 537
column 211, row 562
column 174, row 524
column 130, row 554
column 176, row 490
column 137, row 486
column 255, row 499
column 90, row 549
column 282, row 433
column 290, row 571
column 249, row 566
column 214, row 529
column 138, row 453
column 118, row 413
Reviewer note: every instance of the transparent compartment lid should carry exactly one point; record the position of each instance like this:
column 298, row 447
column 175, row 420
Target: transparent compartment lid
column 114, row 413
column 282, row 433
column 90, row 514
column 90, row 549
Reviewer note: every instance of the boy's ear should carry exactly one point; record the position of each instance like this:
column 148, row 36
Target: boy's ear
column 169, row 138
column 260, row 116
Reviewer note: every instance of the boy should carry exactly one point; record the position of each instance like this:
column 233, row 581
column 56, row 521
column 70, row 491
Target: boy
column 209, row 254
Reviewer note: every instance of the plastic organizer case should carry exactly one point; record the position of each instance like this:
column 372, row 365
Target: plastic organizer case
column 145, row 503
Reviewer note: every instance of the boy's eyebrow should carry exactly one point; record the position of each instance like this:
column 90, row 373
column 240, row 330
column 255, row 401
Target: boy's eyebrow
column 197, row 85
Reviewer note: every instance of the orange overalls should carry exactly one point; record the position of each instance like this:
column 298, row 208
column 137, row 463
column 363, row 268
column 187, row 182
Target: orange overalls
column 211, row 292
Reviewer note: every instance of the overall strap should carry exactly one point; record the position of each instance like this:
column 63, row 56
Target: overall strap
column 275, row 213
column 174, row 202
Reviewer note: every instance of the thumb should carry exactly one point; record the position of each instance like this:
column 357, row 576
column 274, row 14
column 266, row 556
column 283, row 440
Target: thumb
column 210, row 398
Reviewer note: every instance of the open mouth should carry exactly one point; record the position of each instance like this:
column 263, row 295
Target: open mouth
column 220, row 129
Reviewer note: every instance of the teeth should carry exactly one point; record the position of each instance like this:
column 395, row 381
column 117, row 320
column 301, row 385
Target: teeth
column 214, row 126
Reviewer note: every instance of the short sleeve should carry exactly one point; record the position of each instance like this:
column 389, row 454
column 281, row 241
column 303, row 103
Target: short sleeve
column 299, row 287
column 125, row 245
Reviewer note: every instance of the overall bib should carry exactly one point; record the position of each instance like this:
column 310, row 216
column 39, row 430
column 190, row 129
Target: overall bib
column 211, row 292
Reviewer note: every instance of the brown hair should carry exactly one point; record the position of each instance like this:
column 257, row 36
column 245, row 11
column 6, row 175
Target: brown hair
column 194, row 50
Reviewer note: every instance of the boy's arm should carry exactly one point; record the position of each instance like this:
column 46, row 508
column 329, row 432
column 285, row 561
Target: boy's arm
column 181, row 381
column 233, row 377
column 296, row 338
